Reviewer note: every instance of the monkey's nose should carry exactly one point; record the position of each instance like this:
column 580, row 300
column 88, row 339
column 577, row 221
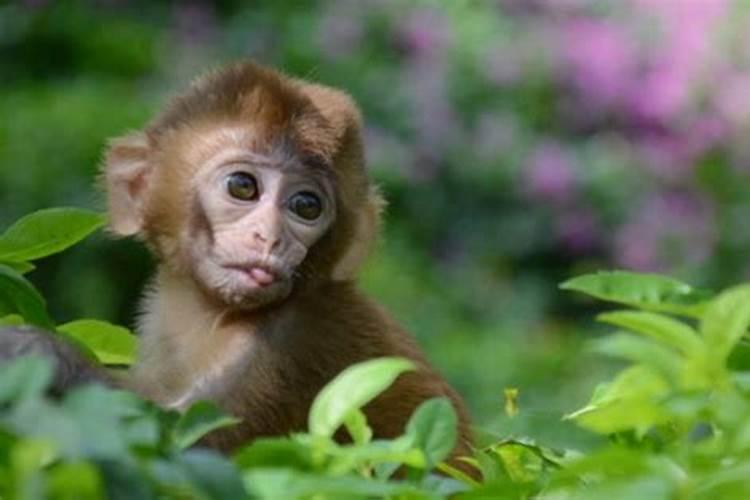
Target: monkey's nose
column 269, row 242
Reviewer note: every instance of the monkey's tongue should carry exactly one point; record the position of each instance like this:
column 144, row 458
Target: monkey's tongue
column 261, row 276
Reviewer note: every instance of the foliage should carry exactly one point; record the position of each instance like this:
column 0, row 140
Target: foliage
column 676, row 415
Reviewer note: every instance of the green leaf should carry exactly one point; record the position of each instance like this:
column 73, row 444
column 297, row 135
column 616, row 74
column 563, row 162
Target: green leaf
column 274, row 452
column 353, row 388
column 200, row 419
column 665, row 330
column 726, row 320
column 274, row 484
column 356, row 425
column 630, row 401
column 521, row 463
column 23, row 378
column 639, row 350
column 401, row 450
column 18, row 293
column 112, row 345
column 212, row 475
column 647, row 291
column 434, row 427
column 47, row 232
column 75, row 480
column 20, row 267
column 12, row 320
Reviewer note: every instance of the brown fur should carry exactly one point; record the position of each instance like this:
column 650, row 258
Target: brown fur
column 266, row 365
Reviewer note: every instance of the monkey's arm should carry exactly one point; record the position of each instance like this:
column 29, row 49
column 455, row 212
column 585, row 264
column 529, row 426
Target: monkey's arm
column 72, row 367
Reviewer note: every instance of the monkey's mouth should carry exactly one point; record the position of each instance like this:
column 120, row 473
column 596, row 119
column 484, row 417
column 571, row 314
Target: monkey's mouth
column 259, row 275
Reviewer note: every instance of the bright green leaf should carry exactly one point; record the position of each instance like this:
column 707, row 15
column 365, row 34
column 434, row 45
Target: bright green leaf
column 47, row 232
column 21, row 295
column 112, row 345
column 645, row 351
column 356, row 424
column 74, row 481
column 401, row 450
column 521, row 463
column 200, row 419
column 353, row 388
column 667, row 331
column 726, row 320
column 647, row 291
column 12, row 320
column 629, row 402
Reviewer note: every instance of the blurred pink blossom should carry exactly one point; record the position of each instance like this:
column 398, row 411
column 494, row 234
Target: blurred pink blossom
column 665, row 154
column 681, row 57
column 549, row 174
column 600, row 58
column 669, row 230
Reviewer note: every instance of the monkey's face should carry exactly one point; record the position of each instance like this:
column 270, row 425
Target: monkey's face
column 254, row 218
column 220, row 188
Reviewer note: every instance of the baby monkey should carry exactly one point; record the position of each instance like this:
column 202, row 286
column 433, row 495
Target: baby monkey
column 250, row 189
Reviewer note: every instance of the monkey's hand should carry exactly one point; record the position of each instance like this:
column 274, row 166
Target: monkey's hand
column 71, row 367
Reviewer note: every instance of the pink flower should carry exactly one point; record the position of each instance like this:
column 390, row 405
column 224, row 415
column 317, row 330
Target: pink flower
column 549, row 175
column 600, row 58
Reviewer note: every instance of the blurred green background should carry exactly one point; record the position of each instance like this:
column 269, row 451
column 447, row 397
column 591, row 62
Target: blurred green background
column 519, row 143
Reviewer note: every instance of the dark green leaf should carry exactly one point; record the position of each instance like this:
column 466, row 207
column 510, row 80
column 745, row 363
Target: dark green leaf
column 24, row 377
column 212, row 475
column 20, row 267
column 18, row 293
column 200, row 419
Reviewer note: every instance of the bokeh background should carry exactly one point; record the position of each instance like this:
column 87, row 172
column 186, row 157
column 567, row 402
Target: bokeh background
column 519, row 143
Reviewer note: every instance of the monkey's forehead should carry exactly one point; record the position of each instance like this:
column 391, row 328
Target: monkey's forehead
column 207, row 144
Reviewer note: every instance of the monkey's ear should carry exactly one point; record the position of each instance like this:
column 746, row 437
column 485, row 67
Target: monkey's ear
column 125, row 177
column 339, row 109
column 366, row 231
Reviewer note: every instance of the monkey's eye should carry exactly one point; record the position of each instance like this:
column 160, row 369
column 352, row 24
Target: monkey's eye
column 306, row 205
column 242, row 186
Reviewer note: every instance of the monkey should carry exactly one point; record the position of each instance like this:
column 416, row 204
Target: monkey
column 250, row 188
